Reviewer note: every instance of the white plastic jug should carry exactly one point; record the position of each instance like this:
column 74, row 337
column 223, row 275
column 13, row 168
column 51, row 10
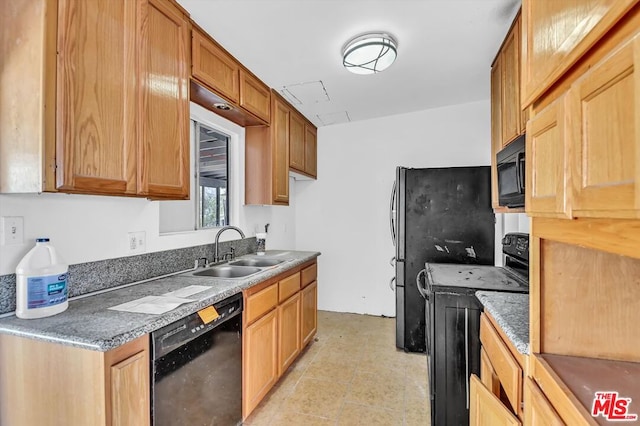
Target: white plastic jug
column 41, row 282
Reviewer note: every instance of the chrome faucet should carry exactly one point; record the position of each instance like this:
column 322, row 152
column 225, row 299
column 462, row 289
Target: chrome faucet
column 216, row 257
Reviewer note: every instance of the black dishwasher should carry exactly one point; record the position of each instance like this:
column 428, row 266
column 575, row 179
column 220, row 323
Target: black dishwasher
column 197, row 368
column 453, row 331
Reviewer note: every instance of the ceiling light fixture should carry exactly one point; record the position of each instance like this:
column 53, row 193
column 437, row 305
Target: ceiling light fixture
column 369, row 53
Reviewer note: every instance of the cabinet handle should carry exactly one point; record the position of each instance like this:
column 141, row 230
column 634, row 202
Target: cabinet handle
column 392, row 262
column 391, row 286
column 466, row 351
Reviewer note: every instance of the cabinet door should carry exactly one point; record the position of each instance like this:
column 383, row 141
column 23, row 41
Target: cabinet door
column 129, row 391
column 496, row 126
column 96, row 97
column 214, row 67
column 605, row 134
column 538, row 410
column 309, row 312
column 311, row 150
column 488, row 374
column 511, row 111
column 296, row 142
column 557, row 33
column 255, row 96
column 280, row 153
column 486, row 409
column 260, row 360
column 547, row 171
column 288, row 332
column 163, row 165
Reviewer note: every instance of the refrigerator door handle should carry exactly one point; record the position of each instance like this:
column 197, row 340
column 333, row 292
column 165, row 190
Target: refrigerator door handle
column 392, row 262
column 392, row 223
column 421, row 289
column 391, row 286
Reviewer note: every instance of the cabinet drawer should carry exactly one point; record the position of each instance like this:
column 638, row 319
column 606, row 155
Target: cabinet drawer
column 261, row 302
column 539, row 410
column 309, row 274
column 289, row 286
column 506, row 367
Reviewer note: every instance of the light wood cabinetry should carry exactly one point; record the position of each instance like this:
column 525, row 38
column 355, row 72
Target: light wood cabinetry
column 309, row 307
column 557, row 34
column 539, row 409
column 73, row 386
column 289, row 325
column 102, row 124
column 604, row 105
column 221, row 79
column 260, row 360
column 296, row 142
column 163, row 113
column 279, row 320
column 485, row 409
column 267, row 158
column 303, row 145
column 547, row 174
column 508, row 121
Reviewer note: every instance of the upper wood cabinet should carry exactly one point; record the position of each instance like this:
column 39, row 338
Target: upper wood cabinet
column 120, row 121
column 547, row 172
column 267, row 157
column 508, row 121
column 219, row 73
column 557, row 34
column 302, row 145
column 605, row 139
column 510, row 106
column 163, row 120
column 213, row 66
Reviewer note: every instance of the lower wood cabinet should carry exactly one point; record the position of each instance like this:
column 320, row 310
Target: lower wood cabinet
column 289, row 323
column 279, row 320
column 485, row 409
column 539, row 410
column 44, row 383
column 260, row 360
column 309, row 304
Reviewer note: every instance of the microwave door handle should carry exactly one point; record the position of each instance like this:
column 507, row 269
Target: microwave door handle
column 520, row 171
column 392, row 214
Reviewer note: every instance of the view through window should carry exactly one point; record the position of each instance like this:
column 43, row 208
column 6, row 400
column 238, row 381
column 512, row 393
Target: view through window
column 212, row 176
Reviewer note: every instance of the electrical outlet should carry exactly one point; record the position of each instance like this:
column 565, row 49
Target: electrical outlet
column 137, row 242
column 12, row 228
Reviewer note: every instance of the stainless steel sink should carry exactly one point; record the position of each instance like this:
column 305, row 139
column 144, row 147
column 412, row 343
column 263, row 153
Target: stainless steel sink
column 259, row 262
column 227, row 271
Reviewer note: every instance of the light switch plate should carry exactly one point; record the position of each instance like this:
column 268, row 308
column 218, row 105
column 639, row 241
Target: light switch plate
column 12, row 228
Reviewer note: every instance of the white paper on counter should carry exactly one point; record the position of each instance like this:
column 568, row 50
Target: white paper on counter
column 188, row 291
column 151, row 304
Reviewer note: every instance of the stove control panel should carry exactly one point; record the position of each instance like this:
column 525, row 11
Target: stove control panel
column 516, row 244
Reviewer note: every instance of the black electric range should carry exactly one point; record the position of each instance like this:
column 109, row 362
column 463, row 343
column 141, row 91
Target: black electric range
column 453, row 323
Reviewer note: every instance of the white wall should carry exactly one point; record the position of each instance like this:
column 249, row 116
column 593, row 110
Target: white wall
column 345, row 213
column 87, row 228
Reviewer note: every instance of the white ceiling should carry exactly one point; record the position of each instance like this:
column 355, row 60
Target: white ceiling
column 445, row 49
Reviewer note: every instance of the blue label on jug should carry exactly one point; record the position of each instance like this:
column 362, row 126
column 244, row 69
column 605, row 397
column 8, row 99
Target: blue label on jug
column 46, row 291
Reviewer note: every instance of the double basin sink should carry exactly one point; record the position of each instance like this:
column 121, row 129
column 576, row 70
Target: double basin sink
column 240, row 268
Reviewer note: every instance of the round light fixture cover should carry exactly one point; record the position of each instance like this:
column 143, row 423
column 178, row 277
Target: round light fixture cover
column 370, row 53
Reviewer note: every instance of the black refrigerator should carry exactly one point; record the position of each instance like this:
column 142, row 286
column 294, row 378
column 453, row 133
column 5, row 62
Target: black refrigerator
column 440, row 215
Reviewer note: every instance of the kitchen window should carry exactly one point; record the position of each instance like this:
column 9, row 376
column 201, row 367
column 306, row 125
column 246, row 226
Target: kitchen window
column 212, row 176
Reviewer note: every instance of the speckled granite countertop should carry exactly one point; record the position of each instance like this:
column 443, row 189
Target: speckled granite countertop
column 89, row 324
column 511, row 312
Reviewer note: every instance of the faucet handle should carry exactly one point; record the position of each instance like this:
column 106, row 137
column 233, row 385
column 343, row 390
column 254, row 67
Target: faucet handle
column 201, row 262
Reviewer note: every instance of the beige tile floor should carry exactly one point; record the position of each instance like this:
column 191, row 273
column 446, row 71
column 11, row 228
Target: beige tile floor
column 351, row 374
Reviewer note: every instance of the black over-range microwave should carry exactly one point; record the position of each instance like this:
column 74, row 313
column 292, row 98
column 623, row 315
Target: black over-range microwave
column 511, row 166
